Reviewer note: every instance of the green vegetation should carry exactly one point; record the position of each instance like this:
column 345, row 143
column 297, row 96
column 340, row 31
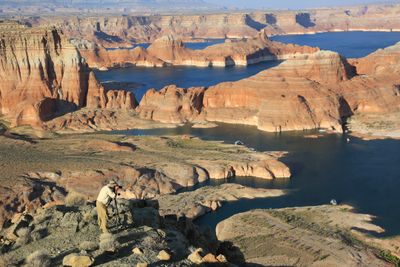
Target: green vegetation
column 389, row 257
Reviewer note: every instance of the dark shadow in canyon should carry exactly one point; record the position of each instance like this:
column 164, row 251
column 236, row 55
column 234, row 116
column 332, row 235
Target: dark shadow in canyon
column 304, row 19
column 254, row 24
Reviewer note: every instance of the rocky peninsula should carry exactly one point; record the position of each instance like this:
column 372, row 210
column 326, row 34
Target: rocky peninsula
column 169, row 50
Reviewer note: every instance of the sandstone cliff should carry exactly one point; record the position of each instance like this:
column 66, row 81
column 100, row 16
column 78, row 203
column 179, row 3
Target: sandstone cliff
column 172, row 104
column 117, row 30
column 43, row 75
column 170, row 50
column 382, row 62
column 40, row 72
column 319, row 90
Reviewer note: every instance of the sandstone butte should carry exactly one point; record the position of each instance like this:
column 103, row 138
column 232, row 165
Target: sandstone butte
column 43, row 75
column 117, row 30
column 318, row 90
column 169, row 50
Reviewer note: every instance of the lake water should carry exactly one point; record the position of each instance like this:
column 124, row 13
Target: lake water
column 364, row 174
column 349, row 44
column 191, row 45
column 182, row 76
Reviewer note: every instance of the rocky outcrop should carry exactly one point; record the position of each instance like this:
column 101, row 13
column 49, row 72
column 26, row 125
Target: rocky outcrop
column 73, row 233
column 53, row 168
column 210, row 198
column 382, row 62
column 172, row 104
column 295, row 95
column 309, row 236
column 44, row 76
column 170, row 50
column 98, row 57
column 98, row 97
column 292, row 96
column 40, row 71
column 307, row 91
column 117, row 30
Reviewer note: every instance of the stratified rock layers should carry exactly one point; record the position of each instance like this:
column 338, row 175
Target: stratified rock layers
column 38, row 68
column 121, row 30
column 308, row 91
column 170, row 50
column 43, row 75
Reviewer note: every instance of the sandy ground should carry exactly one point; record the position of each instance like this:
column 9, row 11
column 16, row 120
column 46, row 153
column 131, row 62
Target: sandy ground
column 304, row 236
column 375, row 126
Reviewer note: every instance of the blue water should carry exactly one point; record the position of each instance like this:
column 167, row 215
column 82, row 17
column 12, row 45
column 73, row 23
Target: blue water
column 349, row 44
column 202, row 45
column 191, row 45
column 364, row 174
column 182, row 76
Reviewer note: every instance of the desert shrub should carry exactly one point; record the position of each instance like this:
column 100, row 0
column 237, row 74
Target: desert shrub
column 24, row 236
column 88, row 246
column 108, row 242
column 38, row 234
column 38, row 258
column 75, row 199
column 8, row 260
column 389, row 257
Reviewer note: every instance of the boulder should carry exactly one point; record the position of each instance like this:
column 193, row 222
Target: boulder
column 137, row 251
column 76, row 260
column 163, row 256
column 195, row 256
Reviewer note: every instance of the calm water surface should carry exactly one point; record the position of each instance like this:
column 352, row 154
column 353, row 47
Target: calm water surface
column 349, row 44
column 182, row 76
column 365, row 174
column 191, row 45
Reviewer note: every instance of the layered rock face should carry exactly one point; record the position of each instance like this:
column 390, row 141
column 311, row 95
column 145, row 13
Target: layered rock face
column 98, row 57
column 121, row 30
column 172, row 104
column 244, row 52
column 40, row 71
column 382, row 62
column 288, row 97
column 169, row 50
column 318, row 90
column 98, row 97
column 43, row 75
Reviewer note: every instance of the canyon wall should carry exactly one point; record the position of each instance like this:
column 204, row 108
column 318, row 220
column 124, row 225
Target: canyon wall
column 308, row 91
column 122, row 30
column 43, row 75
column 170, row 50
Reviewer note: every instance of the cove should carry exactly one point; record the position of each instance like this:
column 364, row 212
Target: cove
column 364, row 174
column 183, row 76
column 353, row 44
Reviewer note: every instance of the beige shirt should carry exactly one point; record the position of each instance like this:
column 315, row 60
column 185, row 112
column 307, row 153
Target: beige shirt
column 105, row 195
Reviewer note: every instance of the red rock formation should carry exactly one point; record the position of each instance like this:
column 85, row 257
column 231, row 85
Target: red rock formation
column 291, row 96
column 38, row 64
column 115, row 31
column 171, row 50
column 306, row 92
column 98, row 57
column 382, row 62
column 98, row 97
column 171, row 104
column 43, row 75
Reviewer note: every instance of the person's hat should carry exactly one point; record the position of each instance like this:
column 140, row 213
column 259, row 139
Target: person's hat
column 113, row 184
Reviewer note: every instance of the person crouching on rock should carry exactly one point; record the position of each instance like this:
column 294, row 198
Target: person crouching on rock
column 107, row 193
